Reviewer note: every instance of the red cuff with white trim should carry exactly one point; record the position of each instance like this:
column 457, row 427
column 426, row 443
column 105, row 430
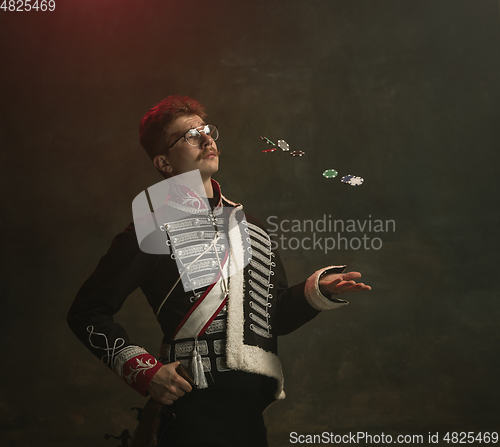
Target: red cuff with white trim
column 139, row 371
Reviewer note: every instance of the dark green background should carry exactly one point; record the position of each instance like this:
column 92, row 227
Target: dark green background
column 402, row 93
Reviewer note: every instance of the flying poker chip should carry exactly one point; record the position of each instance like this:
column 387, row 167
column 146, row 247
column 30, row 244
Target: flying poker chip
column 268, row 141
column 297, row 153
column 352, row 180
column 283, row 145
column 330, row 173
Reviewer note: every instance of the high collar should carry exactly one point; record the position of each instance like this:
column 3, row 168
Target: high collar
column 182, row 197
column 217, row 192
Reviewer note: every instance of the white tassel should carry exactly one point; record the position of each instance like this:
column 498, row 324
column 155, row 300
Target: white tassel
column 197, row 369
column 202, row 382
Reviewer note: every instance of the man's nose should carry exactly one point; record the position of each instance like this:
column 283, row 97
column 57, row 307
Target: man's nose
column 206, row 140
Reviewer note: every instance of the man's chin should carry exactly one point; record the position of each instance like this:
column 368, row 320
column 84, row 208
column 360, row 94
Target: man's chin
column 208, row 171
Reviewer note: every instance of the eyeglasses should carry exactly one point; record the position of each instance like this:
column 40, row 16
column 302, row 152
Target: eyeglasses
column 193, row 136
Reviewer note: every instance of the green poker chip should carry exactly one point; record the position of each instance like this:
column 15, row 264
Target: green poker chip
column 330, row 173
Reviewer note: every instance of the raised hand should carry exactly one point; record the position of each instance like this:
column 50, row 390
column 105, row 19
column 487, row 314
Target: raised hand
column 337, row 283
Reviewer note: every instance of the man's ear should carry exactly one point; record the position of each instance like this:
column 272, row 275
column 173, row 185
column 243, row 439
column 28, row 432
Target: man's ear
column 161, row 163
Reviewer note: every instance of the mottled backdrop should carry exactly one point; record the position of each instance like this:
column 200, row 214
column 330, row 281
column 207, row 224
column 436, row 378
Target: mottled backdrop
column 403, row 93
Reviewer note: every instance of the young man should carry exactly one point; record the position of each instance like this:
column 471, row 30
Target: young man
column 221, row 296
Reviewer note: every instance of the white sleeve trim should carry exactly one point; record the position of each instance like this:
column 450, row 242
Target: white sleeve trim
column 314, row 296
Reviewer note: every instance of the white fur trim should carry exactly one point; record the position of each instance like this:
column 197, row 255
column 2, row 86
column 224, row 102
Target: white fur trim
column 240, row 356
column 314, row 296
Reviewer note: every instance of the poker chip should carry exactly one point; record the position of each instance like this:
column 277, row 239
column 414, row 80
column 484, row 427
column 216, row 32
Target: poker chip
column 268, row 141
column 330, row 173
column 283, row 145
column 352, row 180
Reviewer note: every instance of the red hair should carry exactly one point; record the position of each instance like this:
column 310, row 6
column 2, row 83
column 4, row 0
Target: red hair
column 153, row 129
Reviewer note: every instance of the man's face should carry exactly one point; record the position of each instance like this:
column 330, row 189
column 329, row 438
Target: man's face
column 182, row 157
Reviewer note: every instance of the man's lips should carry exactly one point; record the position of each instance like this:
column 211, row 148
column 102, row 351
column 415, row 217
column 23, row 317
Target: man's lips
column 210, row 155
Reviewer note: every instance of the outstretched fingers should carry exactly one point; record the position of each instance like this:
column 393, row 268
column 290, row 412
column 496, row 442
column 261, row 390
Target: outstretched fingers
column 351, row 275
column 336, row 284
column 352, row 286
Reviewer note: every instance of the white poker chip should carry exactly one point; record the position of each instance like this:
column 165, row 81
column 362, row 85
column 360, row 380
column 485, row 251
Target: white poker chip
column 283, row 145
column 352, row 180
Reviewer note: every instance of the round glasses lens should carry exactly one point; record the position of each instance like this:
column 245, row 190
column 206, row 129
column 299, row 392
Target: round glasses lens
column 193, row 136
column 212, row 132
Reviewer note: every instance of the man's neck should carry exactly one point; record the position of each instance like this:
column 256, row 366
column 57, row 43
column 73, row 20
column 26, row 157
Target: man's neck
column 207, row 183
